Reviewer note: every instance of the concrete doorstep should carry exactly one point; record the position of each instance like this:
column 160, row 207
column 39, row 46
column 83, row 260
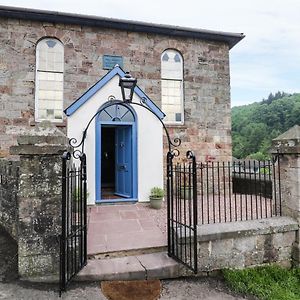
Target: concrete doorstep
column 140, row 267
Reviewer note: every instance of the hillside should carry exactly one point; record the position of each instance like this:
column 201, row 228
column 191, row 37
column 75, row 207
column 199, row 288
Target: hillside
column 255, row 125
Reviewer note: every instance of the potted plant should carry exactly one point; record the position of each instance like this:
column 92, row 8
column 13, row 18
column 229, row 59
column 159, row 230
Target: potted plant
column 156, row 197
column 186, row 189
column 185, row 185
column 186, row 192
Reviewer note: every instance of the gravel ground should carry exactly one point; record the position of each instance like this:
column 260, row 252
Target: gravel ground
column 179, row 289
column 197, row 288
column 26, row 291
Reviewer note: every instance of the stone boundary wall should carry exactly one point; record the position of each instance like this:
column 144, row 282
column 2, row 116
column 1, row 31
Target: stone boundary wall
column 247, row 243
column 9, row 183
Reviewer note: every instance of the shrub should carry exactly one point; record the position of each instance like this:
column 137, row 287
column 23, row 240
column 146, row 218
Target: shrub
column 157, row 192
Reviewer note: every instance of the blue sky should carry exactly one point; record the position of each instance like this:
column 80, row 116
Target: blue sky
column 267, row 60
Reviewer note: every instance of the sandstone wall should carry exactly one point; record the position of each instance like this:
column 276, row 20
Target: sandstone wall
column 242, row 244
column 206, row 78
column 247, row 243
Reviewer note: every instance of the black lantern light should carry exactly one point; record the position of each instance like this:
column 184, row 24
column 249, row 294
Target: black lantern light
column 127, row 84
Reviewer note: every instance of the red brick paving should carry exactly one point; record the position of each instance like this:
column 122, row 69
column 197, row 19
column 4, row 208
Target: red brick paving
column 124, row 227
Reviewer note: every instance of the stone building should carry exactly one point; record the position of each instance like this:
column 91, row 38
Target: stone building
column 65, row 68
column 50, row 59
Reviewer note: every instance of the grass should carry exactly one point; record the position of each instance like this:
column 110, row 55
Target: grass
column 266, row 283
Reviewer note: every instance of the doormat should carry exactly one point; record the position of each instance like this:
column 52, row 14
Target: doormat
column 131, row 290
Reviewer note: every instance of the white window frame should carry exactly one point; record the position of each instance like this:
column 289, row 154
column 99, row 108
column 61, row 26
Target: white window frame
column 36, row 97
column 181, row 87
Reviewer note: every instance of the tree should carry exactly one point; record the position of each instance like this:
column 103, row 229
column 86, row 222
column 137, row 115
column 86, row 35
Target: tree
column 255, row 125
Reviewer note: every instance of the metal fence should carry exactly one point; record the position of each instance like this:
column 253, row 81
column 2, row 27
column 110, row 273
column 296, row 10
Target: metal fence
column 238, row 191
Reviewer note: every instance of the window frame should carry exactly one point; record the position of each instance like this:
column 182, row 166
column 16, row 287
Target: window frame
column 37, row 83
column 115, row 114
column 174, row 80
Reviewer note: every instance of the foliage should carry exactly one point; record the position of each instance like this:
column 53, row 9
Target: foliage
column 266, row 283
column 276, row 96
column 157, row 192
column 258, row 156
column 265, row 170
column 255, row 125
column 76, row 194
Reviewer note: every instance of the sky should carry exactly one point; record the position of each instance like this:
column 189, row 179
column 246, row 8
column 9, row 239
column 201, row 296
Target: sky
column 266, row 60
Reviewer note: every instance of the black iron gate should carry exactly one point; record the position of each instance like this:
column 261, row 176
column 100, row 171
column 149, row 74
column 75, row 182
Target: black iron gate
column 73, row 239
column 182, row 209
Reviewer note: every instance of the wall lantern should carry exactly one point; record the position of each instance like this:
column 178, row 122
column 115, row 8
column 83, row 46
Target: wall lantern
column 127, row 84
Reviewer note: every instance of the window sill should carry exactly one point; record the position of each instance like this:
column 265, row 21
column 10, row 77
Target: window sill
column 183, row 126
column 57, row 124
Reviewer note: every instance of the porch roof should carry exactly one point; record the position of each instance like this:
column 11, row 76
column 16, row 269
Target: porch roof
column 104, row 80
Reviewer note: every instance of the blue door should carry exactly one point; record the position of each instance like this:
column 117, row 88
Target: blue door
column 123, row 136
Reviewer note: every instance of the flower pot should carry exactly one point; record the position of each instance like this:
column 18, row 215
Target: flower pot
column 156, row 202
column 186, row 192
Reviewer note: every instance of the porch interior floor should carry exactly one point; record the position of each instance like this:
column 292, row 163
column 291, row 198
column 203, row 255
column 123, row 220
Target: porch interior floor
column 125, row 227
column 108, row 193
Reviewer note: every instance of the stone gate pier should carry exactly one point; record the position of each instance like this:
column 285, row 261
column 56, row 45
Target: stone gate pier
column 33, row 194
column 287, row 146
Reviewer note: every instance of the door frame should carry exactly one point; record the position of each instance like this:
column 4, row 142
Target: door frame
column 98, row 149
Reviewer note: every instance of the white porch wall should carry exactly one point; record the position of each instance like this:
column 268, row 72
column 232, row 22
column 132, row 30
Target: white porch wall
column 149, row 133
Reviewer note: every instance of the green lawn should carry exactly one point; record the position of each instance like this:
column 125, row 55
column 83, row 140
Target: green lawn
column 267, row 283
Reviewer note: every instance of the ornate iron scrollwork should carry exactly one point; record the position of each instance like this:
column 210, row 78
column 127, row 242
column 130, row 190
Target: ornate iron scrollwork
column 190, row 154
column 76, row 153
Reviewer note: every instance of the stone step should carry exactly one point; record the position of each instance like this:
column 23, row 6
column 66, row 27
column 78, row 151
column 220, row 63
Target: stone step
column 128, row 252
column 148, row 266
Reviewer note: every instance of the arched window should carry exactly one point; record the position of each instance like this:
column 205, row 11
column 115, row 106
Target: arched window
column 172, row 86
column 116, row 113
column 49, row 80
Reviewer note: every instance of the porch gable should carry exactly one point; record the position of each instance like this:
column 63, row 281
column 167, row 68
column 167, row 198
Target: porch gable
column 103, row 81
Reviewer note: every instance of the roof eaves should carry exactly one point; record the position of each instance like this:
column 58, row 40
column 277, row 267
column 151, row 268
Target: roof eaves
column 70, row 18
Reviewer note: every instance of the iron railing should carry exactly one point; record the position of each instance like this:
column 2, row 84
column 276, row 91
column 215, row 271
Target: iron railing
column 238, row 191
column 73, row 240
